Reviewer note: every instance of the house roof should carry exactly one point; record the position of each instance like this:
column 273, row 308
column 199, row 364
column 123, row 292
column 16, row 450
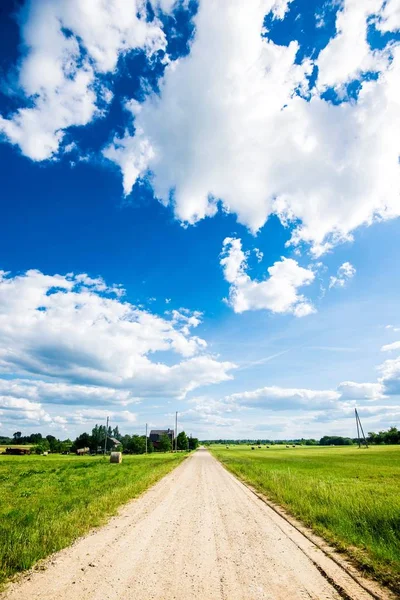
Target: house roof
column 114, row 440
column 161, row 432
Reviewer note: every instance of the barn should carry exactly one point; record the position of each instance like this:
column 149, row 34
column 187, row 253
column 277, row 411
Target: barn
column 155, row 436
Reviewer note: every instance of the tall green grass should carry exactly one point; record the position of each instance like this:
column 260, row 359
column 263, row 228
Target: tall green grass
column 349, row 496
column 46, row 502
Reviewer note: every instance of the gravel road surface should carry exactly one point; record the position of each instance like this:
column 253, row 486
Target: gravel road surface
column 197, row 534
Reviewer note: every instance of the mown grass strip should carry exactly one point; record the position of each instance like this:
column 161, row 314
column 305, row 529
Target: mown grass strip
column 46, row 502
column 349, row 496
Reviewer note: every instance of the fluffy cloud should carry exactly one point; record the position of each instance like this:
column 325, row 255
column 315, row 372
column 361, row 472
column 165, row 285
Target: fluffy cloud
column 348, row 55
column 278, row 398
column 60, row 393
column 390, row 376
column 63, row 329
column 390, row 347
column 234, row 122
column 345, row 272
column 300, row 399
column 20, row 412
column 70, row 45
column 350, row 390
column 278, row 293
column 23, row 410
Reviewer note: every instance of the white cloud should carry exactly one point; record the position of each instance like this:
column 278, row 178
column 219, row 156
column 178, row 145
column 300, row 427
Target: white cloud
column 345, row 272
column 278, row 398
column 57, row 327
column 390, row 347
column 361, row 391
column 228, row 125
column 390, row 376
column 60, row 393
column 299, row 399
column 70, row 45
column 278, row 293
column 348, row 54
column 389, row 17
column 259, row 254
column 21, row 409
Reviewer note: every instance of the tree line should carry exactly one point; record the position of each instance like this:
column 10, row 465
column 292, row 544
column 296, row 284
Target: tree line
column 98, row 440
column 391, row 436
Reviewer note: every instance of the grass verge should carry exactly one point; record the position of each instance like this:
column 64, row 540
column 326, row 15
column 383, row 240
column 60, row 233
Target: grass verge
column 46, row 502
column 348, row 496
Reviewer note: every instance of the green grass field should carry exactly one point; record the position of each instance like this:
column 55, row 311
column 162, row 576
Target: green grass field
column 349, row 496
column 48, row 501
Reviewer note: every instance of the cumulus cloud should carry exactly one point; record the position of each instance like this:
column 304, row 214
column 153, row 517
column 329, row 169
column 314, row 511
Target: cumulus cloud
column 69, row 45
column 388, row 18
column 236, row 123
column 279, row 398
column 278, row 293
column 63, row 329
column 345, row 272
column 348, row 55
column 60, row 393
column 21, row 409
column 390, row 376
column 390, row 347
column 361, row 391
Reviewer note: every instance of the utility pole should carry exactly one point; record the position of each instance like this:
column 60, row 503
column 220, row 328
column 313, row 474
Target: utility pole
column 146, row 438
column 360, row 428
column 176, row 431
column 105, row 438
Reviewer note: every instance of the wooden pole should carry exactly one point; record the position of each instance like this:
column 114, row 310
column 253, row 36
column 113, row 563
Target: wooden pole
column 359, row 424
column 176, row 431
column 358, row 429
column 105, row 438
column 146, row 438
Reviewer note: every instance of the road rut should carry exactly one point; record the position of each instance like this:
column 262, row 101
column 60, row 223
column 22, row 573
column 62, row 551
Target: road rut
column 199, row 534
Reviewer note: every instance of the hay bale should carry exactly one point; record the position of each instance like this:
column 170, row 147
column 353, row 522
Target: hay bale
column 116, row 457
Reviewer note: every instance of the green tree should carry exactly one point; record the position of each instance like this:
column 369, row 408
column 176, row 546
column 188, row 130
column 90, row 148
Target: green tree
column 182, row 441
column 164, row 444
column 43, row 446
column 116, row 434
column 82, row 441
column 17, row 436
column 193, row 443
column 137, row 444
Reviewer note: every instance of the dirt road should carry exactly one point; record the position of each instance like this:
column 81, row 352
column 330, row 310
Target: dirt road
column 197, row 534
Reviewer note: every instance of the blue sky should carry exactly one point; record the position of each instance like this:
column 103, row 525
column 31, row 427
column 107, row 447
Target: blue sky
column 200, row 213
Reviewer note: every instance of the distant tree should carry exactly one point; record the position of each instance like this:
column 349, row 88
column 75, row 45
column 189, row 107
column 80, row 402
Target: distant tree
column 17, row 436
column 137, row 444
column 335, row 440
column 98, row 435
column 54, row 443
column 392, row 436
column 82, row 441
column 182, row 441
column 43, row 446
column 125, row 439
column 164, row 444
column 116, row 434
column 193, row 443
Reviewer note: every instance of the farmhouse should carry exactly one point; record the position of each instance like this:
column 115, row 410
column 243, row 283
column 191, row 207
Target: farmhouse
column 18, row 451
column 155, row 436
column 114, row 441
